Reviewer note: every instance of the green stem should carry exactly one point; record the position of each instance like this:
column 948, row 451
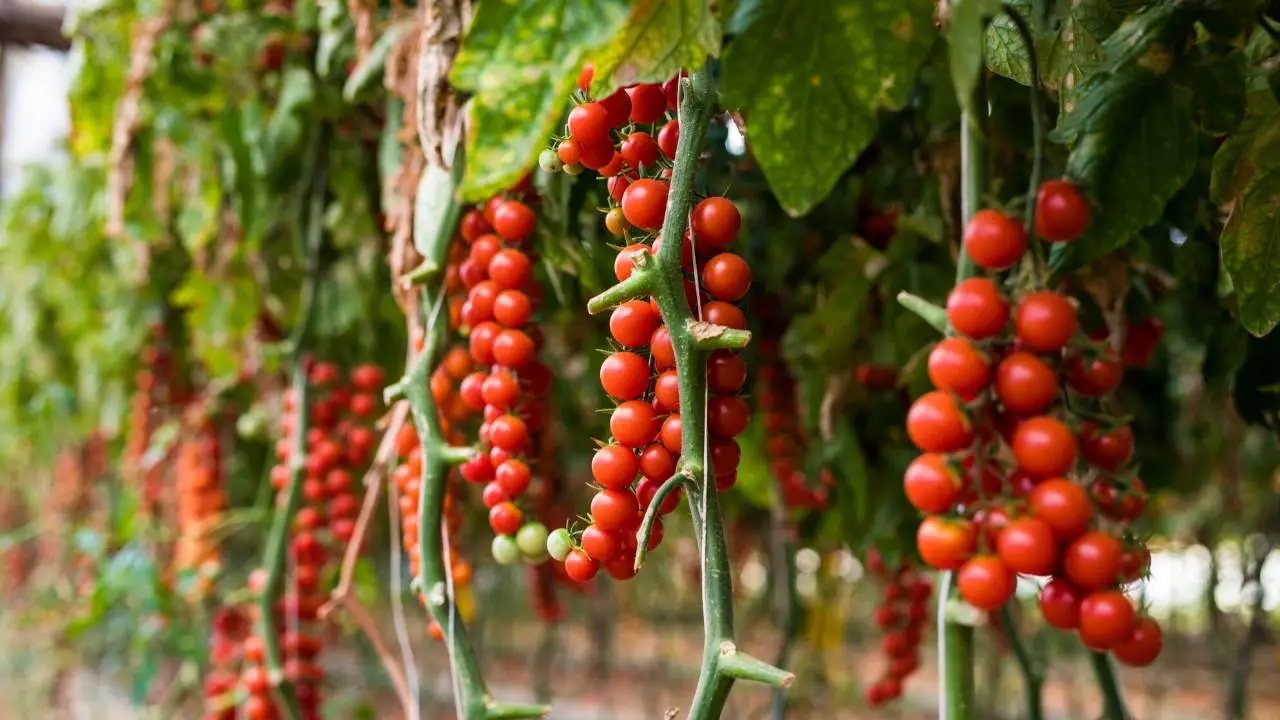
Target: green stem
column 651, row 514
column 1037, row 115
column 1032, row 677
column 276, row 549
column 959, row 670
column 784, row 561
column 1112, row 701
column 722, row 662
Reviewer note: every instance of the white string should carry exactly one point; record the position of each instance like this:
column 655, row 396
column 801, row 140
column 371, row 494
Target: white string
column 944, row 592
column 397, row 606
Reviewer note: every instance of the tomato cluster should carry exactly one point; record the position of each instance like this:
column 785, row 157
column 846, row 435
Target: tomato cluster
column 784, row 438
column 902, row 615
column 229, row 628
column 339, row 442
column 511, row 387
column 201, row 500
column 1017, row 478
column 640, row 375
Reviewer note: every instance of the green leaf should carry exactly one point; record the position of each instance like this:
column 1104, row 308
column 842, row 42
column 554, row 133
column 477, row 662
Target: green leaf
column 803, row 64
column 965, row 32
column 1148, row 161
column 1253, row 147
column 435, row 212
column 520, row 59
column 1217, row 84
column 1251, row 253
column 659, row 39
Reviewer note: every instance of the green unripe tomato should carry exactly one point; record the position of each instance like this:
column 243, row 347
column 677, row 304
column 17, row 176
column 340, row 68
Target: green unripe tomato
column 559, row 544
column 549, row 161
column 505, row 550
column 532, row 539
column 574, row 169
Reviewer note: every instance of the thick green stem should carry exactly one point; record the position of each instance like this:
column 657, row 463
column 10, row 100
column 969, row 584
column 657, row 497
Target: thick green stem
column 1032, row 677
column 1112, row 701
column 277, row 544
column 959, row 670
column 651, row 514
column 663, row 278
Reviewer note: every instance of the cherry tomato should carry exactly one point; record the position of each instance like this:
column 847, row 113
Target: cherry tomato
column 1060, row 604
column 589, row 124
column 1064, row 505
column 1106, row 618
column 725, row 455
column 671, row 435
column 613, row 168
column 1044, row 446
column 585, row 76
column 726, row 371
column 957, row 366
column 1143, row 645
column 658, row 463
column 931, row 485
column 569, row 152
column 669, row 138
column 1092, row 560
column 1093, row 377
column 726, row 277
column 505, row 518
column 633, row 322
column 727, row 415
column 660, row 348
column 1045, row 321
column 614, row 509
column 513, row 348
column 936, row 423
column 1062, row 212
column 500, row 390
column 509, row 433
column 1140, row 342
column 716, row 221
column 985, row 583
column 618, row 108
column 1025, row 384
column 722, row 313
column 634, row 424
column 976, row 309
column 945, row 544
column 623, row 265
column 648, row 104
column 579, row 566
column 639, row 151
column 512, row 308
column 510, row 269
column 513, row 476
column 1108, row 450
column 624, row 375
column 994, row 240
column 614, row 467
column 645, row 203
column 1027, row 545
column 514, row 221
column 600, row 544
column 474, row 225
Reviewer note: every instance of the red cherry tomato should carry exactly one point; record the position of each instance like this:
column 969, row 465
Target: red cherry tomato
column 1026, row 384
column 1143, row 645
column 985, row 583
column 579, row 566
column 976, row 309
column 624, row 375
column 1064, row 505
column 957, row 366
column 645, row 203
column 1027, row 545
column 1045, row 321
column 936, row 423
column 648, row 103
column 634, row 423
column 1108, row 450
column 994, row 240
column 1093, row 560
column 1044, row 446
column 931, row 485
column 589, row 124
column 945, row 544
column 1060, row 604
column 1062, row 212
column 716, row 222
column 1106, row 618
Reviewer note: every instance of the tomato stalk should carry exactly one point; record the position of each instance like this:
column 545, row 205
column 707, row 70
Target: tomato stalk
column 277, row 544
column 434, row 581
column 663, row 278
column 1112, row 702
column 1032, row 676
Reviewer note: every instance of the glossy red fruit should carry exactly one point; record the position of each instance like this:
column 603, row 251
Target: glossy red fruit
column 623, row 264
column 513, row 476
column 955, row 365
column 569, row 152
column 624, row 375
column 617, row 108
column 509, row 433
column 1106, row 618
column 1141, row 341
column 985, row 582
column 1062, row 212
column 661, row 350
column 976, row 309
column 1044, row 446
column 1143, row 645
column 1093, row 560
column 666, row 390
column 634, row 423
column 994, row 240
column 589, row 124
column 1094, row 376
column 1108, row 450
column 945, row 544
column 727, row 415
column 514, row 221
column 669, row 138
column 1064, row 505
column 505, row 518
column 614, row 510
column 648, row 103
column 585, row 76
column 1060, row 604
column 513, row 348
column 658, row 463
column 512, row 308
column 645, row 203
column 1028, row 546
column 726, row 277
column 511, row 269
column 633, row 322
column 726, row 371
column 716, row 222
column 600, row 544
column 931, row 485
column 639, row 151
column 936, row 423
column 579, row 566
column 614, row 467
column 1025, row 384
column 1045, row 321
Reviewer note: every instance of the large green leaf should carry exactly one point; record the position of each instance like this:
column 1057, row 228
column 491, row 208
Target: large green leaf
column 965, row 33
column 1150, row 160
column 1253, row 147
column 660, row 38
column 810, row 77
column 519, row 59
column 1251, row 254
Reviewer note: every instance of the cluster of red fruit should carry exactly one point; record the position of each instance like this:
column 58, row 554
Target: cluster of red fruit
column 511, row 387
column 785, row 440
column 229, row 629
column 339, row 442
column 902, row 615
column 201, row 500
column 998, row 425
column 646, row 426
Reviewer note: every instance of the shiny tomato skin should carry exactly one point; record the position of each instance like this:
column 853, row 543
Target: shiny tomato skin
column 993, row 240
column 945, row 544
column 1045, row 321
column 931, row 485
column 985, row 582
column 1062, row 211
column 1093, row 560
column 936, row 423
column 1025, row 384
column 1027, row 546
column 976, row 309
column 1143, row 645
column 1060, row 604
column 957, row 366
column 1064, row 505
column 1044, row 446
column 1106, row 618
